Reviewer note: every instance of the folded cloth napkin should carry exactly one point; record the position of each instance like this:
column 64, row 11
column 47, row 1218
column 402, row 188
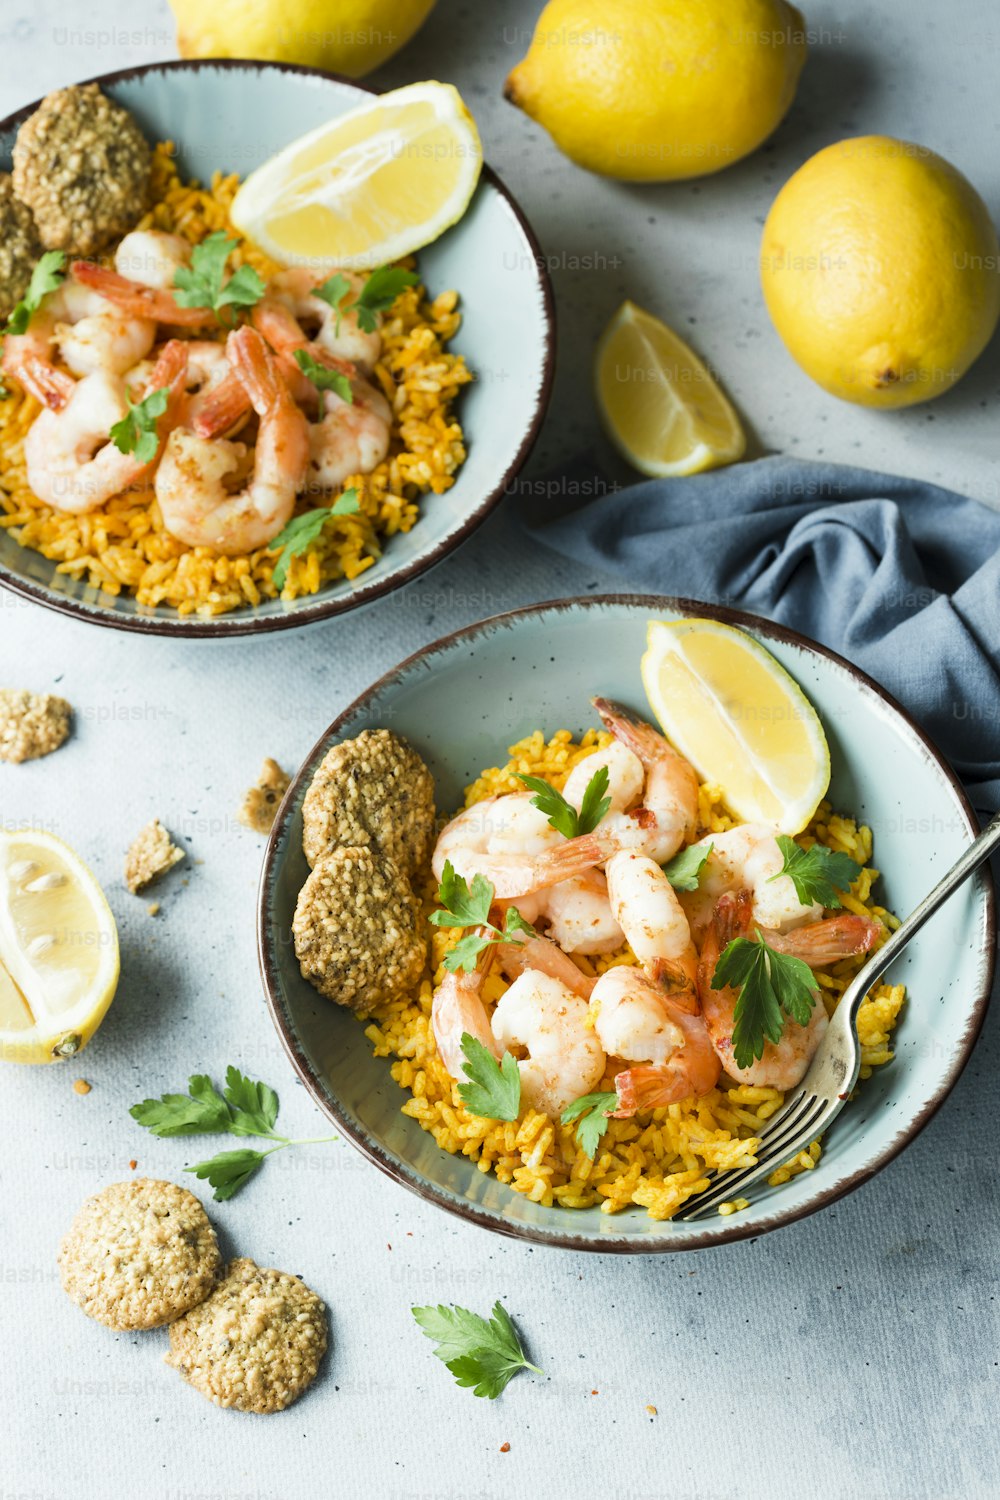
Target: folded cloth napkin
column 901, row 577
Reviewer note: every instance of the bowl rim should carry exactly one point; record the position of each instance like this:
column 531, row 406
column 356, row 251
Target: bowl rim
column 729, row 1230
column 238, row 623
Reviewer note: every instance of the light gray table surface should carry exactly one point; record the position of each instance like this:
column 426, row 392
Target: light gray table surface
column 854, row 1354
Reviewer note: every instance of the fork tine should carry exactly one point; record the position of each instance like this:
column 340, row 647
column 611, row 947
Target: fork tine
column 773, row 1153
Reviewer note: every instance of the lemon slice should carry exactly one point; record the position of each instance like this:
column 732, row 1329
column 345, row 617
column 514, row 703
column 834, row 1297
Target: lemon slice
column 368, row 187
column 661, row 407
column 58, row 949
column 737, row 716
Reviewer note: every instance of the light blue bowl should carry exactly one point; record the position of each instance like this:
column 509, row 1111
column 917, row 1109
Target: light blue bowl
column 231, row 116
column 460, row 703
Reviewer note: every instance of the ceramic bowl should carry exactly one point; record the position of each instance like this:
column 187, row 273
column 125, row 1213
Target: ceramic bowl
column 225, row 115
column 461, row 702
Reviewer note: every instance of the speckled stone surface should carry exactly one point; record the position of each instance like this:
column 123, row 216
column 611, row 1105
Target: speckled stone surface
column 854, row 1354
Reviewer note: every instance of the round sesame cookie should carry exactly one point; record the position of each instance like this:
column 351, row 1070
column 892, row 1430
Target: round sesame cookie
column 139, row 1254
column 82, row 166
column 255, row 1343
column 373, row 790
column 357, row 929
column 20, row 246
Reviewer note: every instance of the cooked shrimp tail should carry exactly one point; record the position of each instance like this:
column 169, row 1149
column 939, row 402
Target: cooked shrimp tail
column 157, row 303
column 826, row 942
column 655, row 1085
column 544, row 957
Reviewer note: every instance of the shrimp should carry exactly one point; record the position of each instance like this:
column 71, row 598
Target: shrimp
column 782, row 1064
column 668, row 1046
column 351, row 437
column 580, row 914
column 625, row 776
column 90, row 334
column 208, row 368
column 458, row 1008
column 151, row 257
column 545, row 957
column 191, row 487
column 71, row 462
column 541, row 1021
column 138, row 301
column 747, row 857
column 289, row 315
column 647, row 908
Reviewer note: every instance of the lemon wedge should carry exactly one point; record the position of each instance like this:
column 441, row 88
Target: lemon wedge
column 58, row 949
column 744, row 724
column 369, row 186
column 662, row 409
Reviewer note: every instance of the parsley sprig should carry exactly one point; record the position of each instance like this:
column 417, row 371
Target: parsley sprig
column 684, row 870
column 771, row 986
column 136, row 432
column 377, row 295
column 469, row 906
column 484, row 1354
column 494, row 1088
column 302, row 531
column 819, row 873
column 322, row 377
column 244, row 1108
column 201, row 283
column 595, row 1110
column 562, row 815
column 48, row 274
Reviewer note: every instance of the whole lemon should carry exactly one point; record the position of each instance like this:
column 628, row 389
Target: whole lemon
column 344, row 36
column 881, row 271
column 654, row 90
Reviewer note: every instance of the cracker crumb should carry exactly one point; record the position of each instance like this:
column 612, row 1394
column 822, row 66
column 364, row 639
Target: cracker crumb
column 151, row 854
column 651, row 1410
column 261, row 802
column 81, row 1086
column 139, row 1254
column 31, row 724
column 153, row 908
column 255, row 1343
column 133, row 1164
column 504, row 1447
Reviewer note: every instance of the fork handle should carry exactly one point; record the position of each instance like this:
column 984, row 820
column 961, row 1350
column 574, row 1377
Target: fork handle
column 975, row 855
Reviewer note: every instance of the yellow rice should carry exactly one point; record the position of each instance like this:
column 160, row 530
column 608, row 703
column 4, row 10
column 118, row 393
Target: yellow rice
column 660, row 1158
column 123, row 545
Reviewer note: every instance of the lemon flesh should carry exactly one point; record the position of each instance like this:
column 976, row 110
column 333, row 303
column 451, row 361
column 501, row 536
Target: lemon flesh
column 657, row 90
column 371, row 186
column 660, row 406
column 881, row 271
column 744, row 724
column 58, row 950
column 344, row 36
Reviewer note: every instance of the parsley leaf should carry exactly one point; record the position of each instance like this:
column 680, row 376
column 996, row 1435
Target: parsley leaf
column 562, row 815
column 136, row 432
column 333, row 291
column 322, row 377
column 494, row 1089
column 771, row 985
column 47, row 275
column 229, row 1171
column 466, row 906
column 817, row 873
column 596, row 1111
column 199, row 1112
column 484, row 1355
column 379, row 293
column 684, row 869
column 302, row 531
column 246, row 1107
column 254, row 1105
column 200, row 284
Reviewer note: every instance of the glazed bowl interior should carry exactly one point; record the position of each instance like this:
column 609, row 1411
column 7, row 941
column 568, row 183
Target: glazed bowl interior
column 232, row 117
column 461, row 703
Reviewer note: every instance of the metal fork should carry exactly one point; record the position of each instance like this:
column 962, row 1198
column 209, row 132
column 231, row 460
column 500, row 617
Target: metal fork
column 833, row 1072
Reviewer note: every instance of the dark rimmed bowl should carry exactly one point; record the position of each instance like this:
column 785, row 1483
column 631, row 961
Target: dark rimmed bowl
column 461, row 702
column 233, row 115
